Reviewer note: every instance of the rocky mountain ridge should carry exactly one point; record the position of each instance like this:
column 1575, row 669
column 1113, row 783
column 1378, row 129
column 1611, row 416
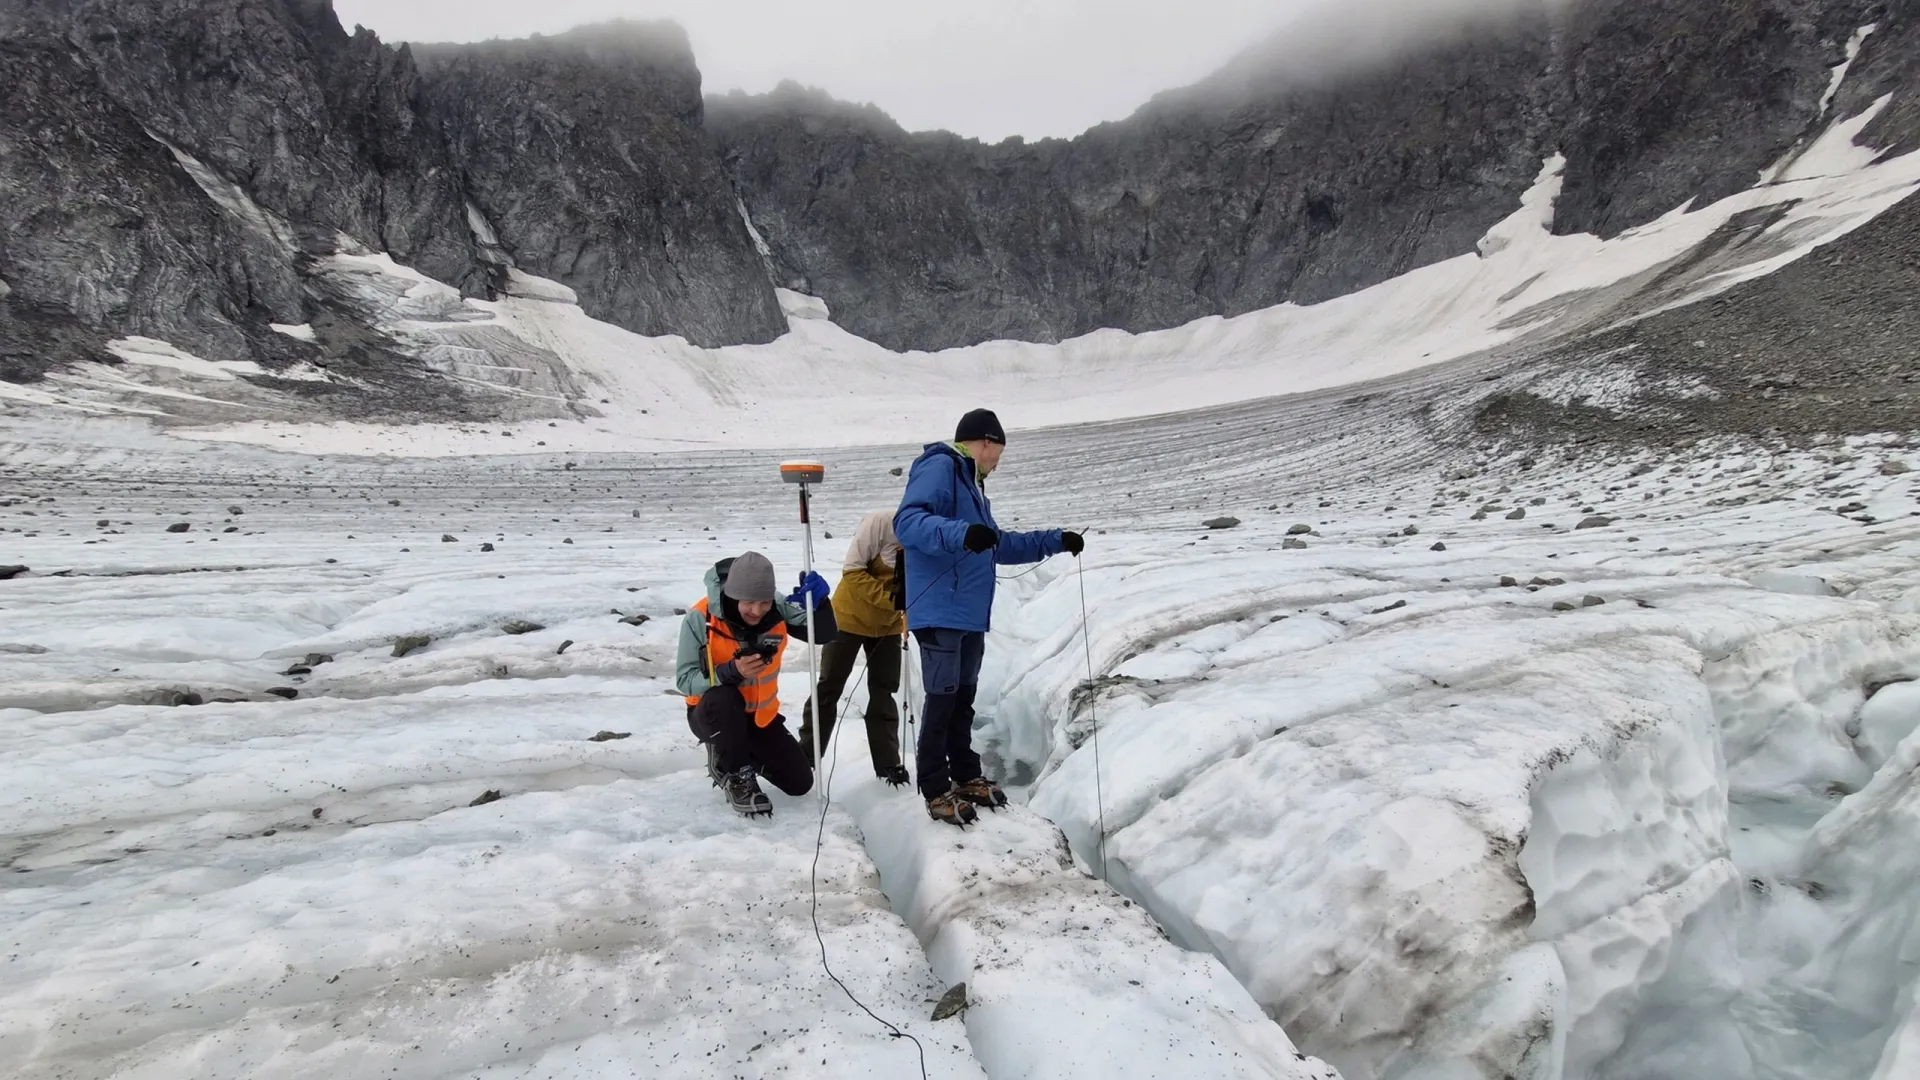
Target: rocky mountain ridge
column 1255, row 188
column 177, row 168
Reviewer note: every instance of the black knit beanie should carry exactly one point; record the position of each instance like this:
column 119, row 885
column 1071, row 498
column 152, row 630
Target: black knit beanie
column 980, row 424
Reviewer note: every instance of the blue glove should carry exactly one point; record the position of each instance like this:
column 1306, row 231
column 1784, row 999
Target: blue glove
column 811, row 584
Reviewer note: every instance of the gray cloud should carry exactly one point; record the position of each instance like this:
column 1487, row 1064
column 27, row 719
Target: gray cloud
column 986, row 68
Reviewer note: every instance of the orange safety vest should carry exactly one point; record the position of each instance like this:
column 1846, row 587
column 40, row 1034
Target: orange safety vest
column 762, row 693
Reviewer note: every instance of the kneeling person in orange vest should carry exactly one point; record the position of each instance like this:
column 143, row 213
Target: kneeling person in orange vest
column 731, row 645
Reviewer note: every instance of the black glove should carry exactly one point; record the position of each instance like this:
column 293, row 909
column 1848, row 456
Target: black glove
column 900, row 581
column 1072, row 543
column 727, row 674
column 980, row 538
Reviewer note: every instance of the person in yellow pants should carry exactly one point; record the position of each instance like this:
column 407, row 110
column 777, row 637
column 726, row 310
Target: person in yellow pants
column 869, row 610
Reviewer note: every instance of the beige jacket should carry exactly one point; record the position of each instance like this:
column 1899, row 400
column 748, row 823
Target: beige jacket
column 863, row 602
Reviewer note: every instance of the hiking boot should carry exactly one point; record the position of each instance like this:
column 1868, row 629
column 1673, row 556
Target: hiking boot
column 713, row 765
column 952, row 809
column 981, row 793
column 895, row 775
column 743, row 791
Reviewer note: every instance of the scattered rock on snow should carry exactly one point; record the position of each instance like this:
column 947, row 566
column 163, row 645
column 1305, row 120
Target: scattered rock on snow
column 952, row 1003
column 1508, row 582
column 231, row 529
column 287, row 692
column 236, row 511
column 564, row 646
column 1597, row 521
column 895, row 471
column 1895, row 468
column 393, row 502
column 1562, row 605
column 521, row 626
column 1300, row 529
column 1479, row 515
column 609, row 736
column 1544, row 581
column 487, row 796
column 1395, row 606
column 1518, row 513
column 8, row 573
column 568, row 540
column 315, row 659
column 185, row 697
column 1592, row 601
column 448, row 538
column 486, row 547
column 1292, row 543
column 298, row 669
column 1411, row 530
column 404, row 645
column 1220, row 523
column 178, row 527
column 1438, row 546
column 634, row 620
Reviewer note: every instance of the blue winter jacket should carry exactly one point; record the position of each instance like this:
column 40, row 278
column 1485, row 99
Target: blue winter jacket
column 946, row 586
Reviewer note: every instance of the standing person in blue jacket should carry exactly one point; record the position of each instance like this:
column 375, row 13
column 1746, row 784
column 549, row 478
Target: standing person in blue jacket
column 945, row 524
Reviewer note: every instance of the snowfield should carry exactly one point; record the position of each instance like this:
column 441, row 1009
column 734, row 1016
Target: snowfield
column 1428, row 823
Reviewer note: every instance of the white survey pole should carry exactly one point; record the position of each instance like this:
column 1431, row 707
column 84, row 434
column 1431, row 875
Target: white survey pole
column 806, row 474
column 909, row 730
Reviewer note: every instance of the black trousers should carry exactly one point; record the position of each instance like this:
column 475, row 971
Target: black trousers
column 837, row 658
column 721, row 718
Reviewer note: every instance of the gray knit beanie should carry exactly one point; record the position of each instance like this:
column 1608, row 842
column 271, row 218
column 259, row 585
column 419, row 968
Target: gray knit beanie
column 749, row 578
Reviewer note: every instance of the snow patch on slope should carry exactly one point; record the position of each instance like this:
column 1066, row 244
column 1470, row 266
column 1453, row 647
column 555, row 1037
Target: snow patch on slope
column 620, row 391
column 234, row 199
column 1840, row 70
column 148, row 352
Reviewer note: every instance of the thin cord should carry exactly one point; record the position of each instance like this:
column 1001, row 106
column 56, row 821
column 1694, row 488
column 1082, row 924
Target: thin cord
column 819, row 840
column 832, row 752
column 1093, row 696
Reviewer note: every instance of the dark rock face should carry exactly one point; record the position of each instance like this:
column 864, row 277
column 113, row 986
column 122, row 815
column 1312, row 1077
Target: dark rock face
column 1210, row 201
column 318, row 127
column 102, row 232
column 179, row 169
column 1671, row 100
column 1253, row 188
column 171, row 168
column 584, row 153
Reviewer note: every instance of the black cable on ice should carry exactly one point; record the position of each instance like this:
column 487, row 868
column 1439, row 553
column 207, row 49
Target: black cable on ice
column 819, row 840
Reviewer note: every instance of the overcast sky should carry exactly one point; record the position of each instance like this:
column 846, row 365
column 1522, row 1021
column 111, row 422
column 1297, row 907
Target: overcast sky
column 986, row 68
